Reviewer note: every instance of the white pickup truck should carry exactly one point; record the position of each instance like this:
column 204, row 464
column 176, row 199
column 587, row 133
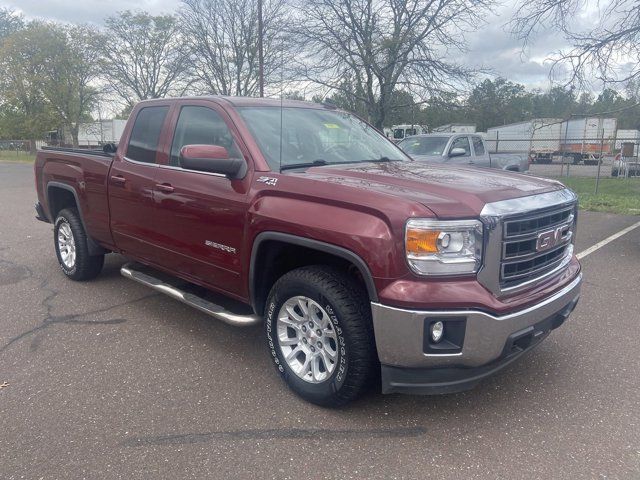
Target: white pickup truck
column 460, row 149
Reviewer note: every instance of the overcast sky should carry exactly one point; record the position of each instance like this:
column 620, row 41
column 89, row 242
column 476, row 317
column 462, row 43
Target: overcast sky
column 492, row 46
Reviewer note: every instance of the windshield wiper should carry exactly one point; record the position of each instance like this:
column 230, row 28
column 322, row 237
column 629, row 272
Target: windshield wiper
column 321, row 162
column 315, row 163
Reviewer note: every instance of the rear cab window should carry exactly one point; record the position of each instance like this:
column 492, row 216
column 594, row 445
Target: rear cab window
column 145, row 134
column 478, row 146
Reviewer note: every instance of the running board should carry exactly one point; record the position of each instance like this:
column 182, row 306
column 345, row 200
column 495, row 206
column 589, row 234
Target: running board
column 190, row 299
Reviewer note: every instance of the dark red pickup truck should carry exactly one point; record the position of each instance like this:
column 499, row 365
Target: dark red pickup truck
column 357, row 260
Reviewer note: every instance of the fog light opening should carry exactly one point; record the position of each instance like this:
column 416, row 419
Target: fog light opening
column 437, row 331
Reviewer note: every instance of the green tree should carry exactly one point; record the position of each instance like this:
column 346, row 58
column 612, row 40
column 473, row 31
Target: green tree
column 70, row 72
column 10, row 22
column 25, row 110
column 558, row 102
column 498, row 102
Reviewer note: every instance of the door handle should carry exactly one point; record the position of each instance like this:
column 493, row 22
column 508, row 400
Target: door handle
column 165, row 187
column 118, row 179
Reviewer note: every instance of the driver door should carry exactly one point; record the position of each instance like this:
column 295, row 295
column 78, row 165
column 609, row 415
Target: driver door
column 460, row 142
column 201, row 215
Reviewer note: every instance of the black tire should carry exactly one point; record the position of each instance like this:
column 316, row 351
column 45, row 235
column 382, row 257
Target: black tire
column 85, row 266
column 614, row 172
column 349, row 310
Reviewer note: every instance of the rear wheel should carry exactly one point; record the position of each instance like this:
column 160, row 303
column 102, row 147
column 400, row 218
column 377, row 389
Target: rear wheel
column 70, row 242
column 320, row 335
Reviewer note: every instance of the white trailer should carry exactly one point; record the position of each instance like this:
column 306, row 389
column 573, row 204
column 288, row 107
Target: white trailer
column 539, row 138
column 588, row 139
column 455, row 128
column 93, row 134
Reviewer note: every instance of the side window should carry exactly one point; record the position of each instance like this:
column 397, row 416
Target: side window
column 201, row 126
column 145, row 135
column 462, row 142
column 478, row 146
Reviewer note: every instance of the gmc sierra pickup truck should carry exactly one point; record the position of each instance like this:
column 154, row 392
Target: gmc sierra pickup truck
column 363, row 265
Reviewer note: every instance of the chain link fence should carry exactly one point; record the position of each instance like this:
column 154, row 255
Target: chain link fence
column 573, row 157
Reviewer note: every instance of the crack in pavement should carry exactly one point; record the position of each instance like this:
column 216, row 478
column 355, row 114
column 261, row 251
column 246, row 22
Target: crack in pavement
column 276, row 434
column 51, row 319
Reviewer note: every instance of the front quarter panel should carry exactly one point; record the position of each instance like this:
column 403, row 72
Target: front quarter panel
column 367, row 224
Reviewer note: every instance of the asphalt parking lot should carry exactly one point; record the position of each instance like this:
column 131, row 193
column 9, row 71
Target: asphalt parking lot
column 108, row 379
column 557, row 169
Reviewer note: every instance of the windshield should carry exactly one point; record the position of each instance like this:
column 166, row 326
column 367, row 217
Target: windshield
column 313, row 135
column 424, row 145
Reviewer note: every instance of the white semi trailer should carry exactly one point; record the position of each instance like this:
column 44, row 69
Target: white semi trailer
column 587, row 139
column 540, row 138
column 577, row 139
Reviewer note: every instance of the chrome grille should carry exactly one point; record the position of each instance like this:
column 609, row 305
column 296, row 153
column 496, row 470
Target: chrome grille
column 535, row 244
column 512, row 261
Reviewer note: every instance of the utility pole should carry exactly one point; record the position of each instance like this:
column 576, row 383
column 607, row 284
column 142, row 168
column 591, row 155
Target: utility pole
column 260, row 51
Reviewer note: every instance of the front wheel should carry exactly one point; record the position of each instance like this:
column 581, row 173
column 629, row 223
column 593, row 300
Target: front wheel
column 320, row 335
column 70, row 242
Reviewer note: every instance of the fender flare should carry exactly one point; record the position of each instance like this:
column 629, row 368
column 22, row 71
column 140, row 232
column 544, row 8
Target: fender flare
column 329, row 248
column 94, row 248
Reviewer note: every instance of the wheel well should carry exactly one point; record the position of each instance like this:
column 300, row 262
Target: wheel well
column 513, row 168
column 59, row 199
column 274, row 258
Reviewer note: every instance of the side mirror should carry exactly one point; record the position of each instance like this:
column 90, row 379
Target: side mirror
column 457, row 152
column 213, row 159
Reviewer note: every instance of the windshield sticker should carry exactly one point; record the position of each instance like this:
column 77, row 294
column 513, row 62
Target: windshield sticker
column 331, row 125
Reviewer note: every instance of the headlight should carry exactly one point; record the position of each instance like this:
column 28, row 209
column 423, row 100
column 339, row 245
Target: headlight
column 437, row 247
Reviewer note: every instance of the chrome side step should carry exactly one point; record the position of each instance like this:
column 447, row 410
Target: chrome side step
column 128, row 270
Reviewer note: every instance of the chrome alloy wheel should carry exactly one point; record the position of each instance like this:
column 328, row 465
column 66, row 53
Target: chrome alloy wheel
column 307, row 339
column 66, row 245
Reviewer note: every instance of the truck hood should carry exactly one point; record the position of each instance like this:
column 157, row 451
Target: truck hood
column 429, row 158
column 449, row 192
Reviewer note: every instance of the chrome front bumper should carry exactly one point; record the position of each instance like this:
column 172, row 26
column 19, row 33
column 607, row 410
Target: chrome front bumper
column 400, row 333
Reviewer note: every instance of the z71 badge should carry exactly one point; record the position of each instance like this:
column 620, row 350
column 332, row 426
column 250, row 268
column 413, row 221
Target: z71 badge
column 268, row 180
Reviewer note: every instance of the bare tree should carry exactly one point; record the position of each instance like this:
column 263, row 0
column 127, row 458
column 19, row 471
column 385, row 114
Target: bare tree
column 142, row 56
column 609, row 52
column 383, row 45
column 222, row 38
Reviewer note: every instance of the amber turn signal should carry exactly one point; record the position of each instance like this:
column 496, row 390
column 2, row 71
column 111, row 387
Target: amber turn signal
column 422, row 241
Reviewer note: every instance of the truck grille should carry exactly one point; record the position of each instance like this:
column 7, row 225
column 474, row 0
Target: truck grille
column 533, row 245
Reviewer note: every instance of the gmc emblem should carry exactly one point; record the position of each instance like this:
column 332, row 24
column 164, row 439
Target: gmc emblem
column 551, row 238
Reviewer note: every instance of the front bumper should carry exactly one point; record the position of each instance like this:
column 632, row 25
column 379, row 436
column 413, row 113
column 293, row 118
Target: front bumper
column 487, row 343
